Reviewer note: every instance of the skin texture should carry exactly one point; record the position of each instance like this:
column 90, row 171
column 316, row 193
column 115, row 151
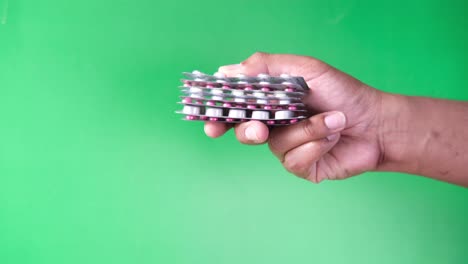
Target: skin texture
column 355, row 128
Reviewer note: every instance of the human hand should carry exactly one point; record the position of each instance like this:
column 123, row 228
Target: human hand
column 339, row 141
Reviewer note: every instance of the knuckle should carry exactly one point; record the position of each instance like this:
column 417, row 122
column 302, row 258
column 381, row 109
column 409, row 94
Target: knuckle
column 274, row 145
column 295, row 166
column 257, row 56
column 309, row 129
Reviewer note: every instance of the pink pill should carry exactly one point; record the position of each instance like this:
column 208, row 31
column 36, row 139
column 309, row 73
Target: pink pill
column 209, row 85
column 265, row 89
column 293, row 121
column 189, row 117
column 251, row 106
column 229, row 119
column 187, row 101
column 226, row 86
column 289, row 89
column 213, row 119
column 292, row 107
column 270, row 122
column 227, row 105
column 267, row 107
column 210, row 103
column 199, row 102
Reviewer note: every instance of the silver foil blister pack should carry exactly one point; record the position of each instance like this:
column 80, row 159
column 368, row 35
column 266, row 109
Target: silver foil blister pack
column 273, row 100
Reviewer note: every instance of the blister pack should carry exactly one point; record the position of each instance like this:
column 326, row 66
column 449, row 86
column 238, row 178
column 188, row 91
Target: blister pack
column 273, row 100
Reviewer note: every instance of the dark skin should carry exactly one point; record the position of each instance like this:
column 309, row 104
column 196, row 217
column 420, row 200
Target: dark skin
column 357, row 128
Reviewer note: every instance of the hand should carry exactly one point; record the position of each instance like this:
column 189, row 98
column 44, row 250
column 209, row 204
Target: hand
column 340, row 141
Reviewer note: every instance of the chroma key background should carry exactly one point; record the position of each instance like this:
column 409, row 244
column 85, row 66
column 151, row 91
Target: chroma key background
column 95, row 166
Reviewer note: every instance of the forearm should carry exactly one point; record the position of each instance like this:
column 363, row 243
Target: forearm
column 425, row 136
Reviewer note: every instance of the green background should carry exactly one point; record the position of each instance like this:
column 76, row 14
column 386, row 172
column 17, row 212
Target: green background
column 95, row 167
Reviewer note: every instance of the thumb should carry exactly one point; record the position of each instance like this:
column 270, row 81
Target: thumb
column 277, row 64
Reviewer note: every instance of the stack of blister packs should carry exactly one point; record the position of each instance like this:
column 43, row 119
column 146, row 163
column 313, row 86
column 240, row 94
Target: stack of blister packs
column 217, row 98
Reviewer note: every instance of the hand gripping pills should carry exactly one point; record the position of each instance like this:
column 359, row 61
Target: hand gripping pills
column 273, row 100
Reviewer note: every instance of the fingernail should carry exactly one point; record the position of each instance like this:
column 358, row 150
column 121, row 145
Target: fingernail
column 230, row 68
column 332, row 137
column 335, row 121
column 251, row 133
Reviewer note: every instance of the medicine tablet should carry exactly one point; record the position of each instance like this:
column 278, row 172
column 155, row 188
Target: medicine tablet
column 191, row 110
column 217, row 92
column 262, row 101
column 284, row 102
column 280, row 94
column 236, row 113
column 258, row 94
column 219, row 75
column 263, row 76
column 260, row 115
column 241, row 76
column 284, row 114
column 285, row 76
column 214, row 112
column 198, row 73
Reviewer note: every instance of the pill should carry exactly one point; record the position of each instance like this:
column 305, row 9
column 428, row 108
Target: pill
column 241, row 76
column 251, row 106
column 211, row 103
column 198, row 73
column 260, row 115
column 263, row 76
column 270, row 122
column 265, row 89
column 227, row 105
column 195, row 90
column 236, row 113
column 258, row 94
column 214, row 112
column 219, row 75
column 189, row 117
column 191, row 110
column 262, row 101
column 284, row 114
column 280, row 94
column 217, row 92
column 267, row 107
column 285, row 76
column 263, row 83
column 187, row 100
column 284, row 102
column 292, row 107
column 237, row 92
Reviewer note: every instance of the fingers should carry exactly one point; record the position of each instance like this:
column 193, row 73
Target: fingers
column 277, row 64
column 215, row 130
column 303, row 160
column 318, row 127
column 252, row 133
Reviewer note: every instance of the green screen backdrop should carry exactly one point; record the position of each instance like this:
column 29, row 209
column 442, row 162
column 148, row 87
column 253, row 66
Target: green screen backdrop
column 95, row 166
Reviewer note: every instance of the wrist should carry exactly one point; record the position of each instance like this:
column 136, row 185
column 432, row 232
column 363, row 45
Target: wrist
column 396, row 124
